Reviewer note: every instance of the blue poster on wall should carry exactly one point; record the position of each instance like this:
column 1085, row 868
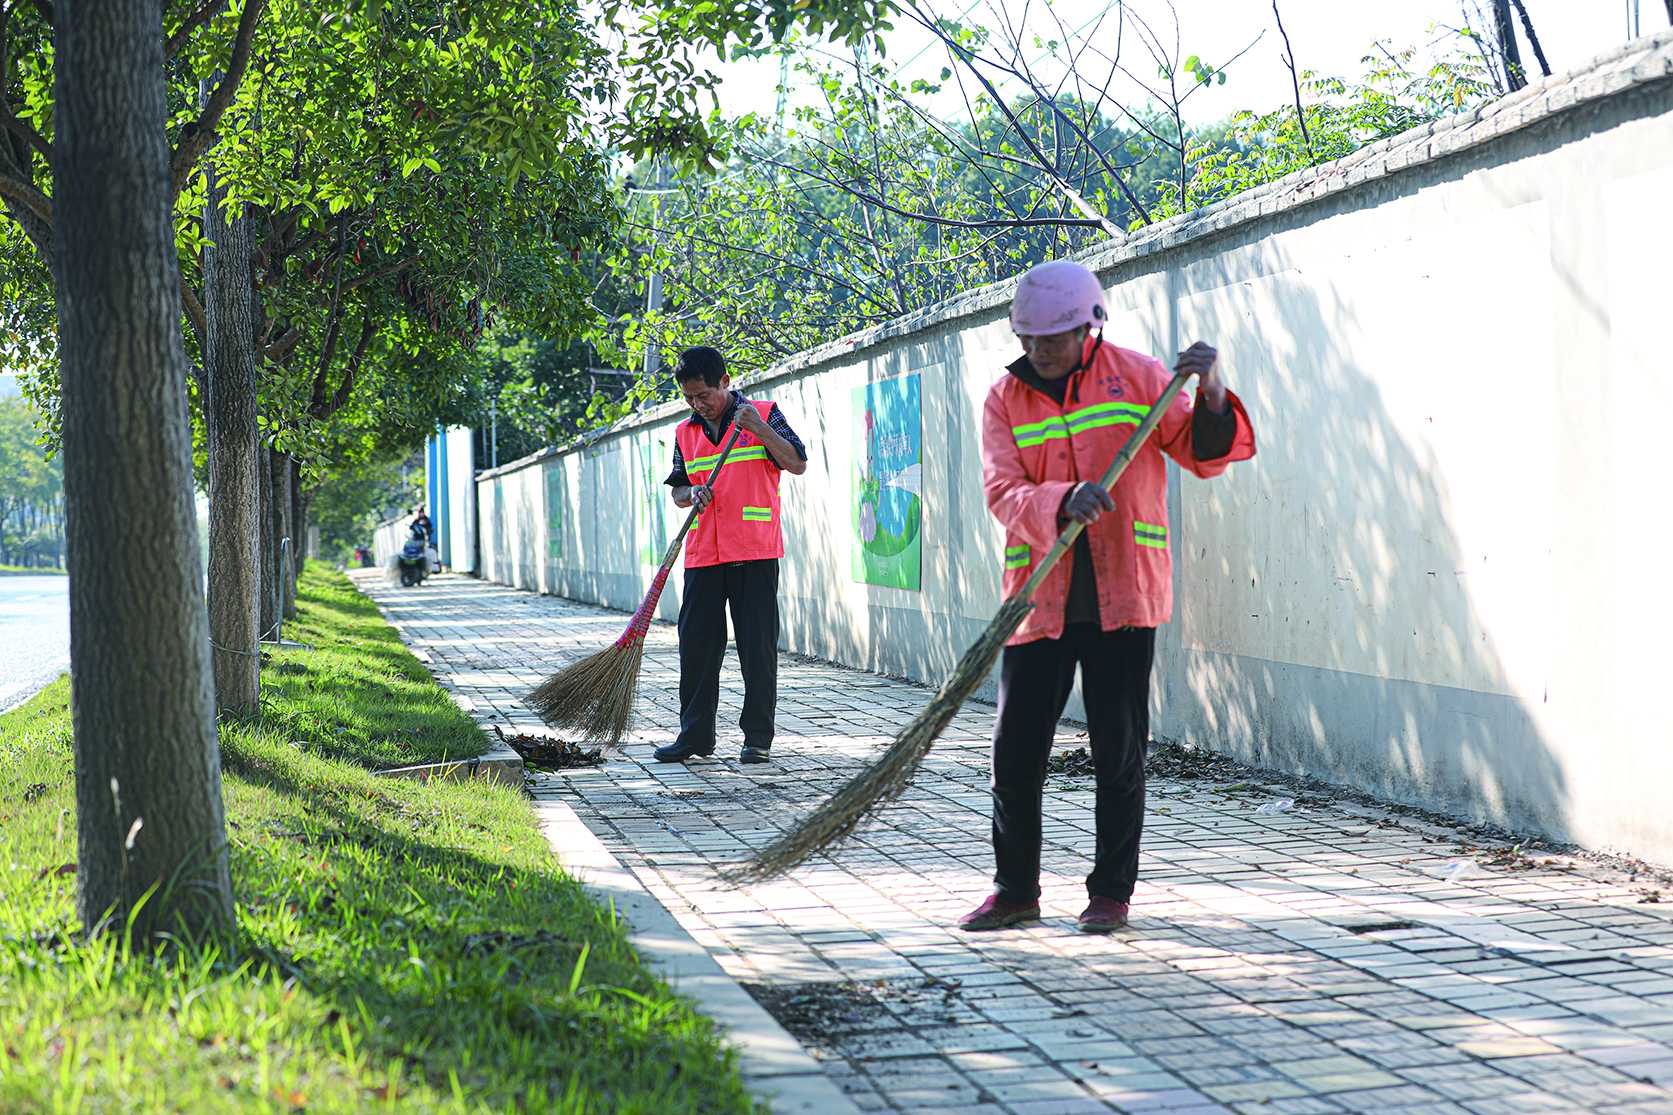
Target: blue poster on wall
column 887, row 503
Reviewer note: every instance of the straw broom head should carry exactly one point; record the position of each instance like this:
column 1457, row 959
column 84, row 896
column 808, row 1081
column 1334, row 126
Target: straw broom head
column 885, row 779
column 593, row 697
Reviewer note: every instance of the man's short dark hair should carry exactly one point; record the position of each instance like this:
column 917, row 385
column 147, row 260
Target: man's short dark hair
column 703, row 362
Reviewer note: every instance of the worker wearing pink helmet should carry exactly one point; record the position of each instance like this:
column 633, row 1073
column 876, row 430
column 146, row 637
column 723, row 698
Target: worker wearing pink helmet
column 1051, row 426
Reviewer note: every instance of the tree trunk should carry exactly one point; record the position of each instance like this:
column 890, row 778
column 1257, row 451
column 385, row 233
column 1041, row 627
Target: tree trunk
column 268, row 545
column 234, row 456
column 279, row 529
column 147, row 765
column 296, row 540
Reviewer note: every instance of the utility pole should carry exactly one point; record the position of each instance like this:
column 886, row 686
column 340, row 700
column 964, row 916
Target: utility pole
column 494, row 433
column 653, row 287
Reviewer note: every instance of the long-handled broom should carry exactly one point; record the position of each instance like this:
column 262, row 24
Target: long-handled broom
column 886, row 778
column 594, row 697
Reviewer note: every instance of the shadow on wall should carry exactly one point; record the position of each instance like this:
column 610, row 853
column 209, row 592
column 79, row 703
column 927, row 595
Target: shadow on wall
column 1367, row 602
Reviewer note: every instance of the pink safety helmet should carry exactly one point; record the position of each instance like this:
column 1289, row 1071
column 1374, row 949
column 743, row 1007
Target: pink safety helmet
column 1056, row 297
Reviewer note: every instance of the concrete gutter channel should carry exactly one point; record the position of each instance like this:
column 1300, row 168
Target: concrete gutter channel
column 774, row 1066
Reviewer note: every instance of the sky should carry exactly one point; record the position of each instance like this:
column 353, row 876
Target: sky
column 1328, row 36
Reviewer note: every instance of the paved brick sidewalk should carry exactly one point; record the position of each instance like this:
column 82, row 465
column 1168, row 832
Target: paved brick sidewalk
column 1327, row 958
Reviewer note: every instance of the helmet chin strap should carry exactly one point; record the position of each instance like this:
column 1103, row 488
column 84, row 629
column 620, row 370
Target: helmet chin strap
column 1088, row 351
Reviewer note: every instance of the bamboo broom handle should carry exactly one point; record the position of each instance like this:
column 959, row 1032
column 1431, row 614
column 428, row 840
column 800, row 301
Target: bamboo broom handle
column 1123, row 458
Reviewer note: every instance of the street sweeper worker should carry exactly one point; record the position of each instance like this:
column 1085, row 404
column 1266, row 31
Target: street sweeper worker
column 731, row 556
column 1050, row 428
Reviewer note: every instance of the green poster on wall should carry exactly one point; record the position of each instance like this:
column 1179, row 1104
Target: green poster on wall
column 887, row 503
column 554, row 512
column 655, row 458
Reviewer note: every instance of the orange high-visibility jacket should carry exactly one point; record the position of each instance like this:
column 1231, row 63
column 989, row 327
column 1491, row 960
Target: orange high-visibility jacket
column 742, row 523
column 1034, row 451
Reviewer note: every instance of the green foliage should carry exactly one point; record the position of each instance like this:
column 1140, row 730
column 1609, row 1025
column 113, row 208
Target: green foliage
column 1252, row 149
column 31, row 491
column 664, row 89
column 863, row 207
column 351, row 500
column 403, row 946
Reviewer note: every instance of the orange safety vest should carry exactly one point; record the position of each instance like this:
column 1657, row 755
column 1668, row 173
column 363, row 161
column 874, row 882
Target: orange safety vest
column 1034, row 450
column 742, row 522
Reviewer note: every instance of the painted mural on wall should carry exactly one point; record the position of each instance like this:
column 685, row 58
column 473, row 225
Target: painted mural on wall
column 655, row 457
column 554, row 512
column 887, row 504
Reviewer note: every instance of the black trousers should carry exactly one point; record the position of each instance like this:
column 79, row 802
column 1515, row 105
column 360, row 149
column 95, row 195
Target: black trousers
column 751, row 587
column 1035, row 681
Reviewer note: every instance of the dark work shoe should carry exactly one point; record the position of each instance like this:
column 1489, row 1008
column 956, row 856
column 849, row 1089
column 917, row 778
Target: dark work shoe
column 996, row 913
column 1103, row 915
column 678, row 752
column 755, row 755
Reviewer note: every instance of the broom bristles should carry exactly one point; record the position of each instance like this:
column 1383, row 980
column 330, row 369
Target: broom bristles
column 888, row 777
column 593, row 697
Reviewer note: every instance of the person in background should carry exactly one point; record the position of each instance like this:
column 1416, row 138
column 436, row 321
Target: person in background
column 421, row 523
column 731, row 555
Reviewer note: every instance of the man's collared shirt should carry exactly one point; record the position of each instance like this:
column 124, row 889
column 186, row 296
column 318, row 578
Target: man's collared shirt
column 775, row 419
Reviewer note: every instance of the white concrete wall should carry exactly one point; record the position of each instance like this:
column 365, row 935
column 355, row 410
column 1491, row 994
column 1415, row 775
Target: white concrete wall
column 1437, row 581
column 461, row 500
column 388, row 539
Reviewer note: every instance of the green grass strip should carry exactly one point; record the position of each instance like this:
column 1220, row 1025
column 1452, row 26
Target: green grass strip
column 402, row 947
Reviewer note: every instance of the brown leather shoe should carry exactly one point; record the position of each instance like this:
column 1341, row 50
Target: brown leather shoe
column 1103, row 915
column 995, row 913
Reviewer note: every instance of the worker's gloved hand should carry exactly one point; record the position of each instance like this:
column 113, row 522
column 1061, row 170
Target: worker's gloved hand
column 701, row 496
column 1085, row 502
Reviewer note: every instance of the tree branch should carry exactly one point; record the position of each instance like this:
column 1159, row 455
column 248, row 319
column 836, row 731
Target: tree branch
column 203, row 15
column 282, row 348
column 333, row 321
column 1295, row 80
column 322, row 409
column 932, row 219
column 382, row 273
column 200, row 135
column 22, row 129
column 200, row 326
column 194, row 310
column 26, row 195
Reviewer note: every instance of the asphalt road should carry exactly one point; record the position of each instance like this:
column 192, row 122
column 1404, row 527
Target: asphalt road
column 34, row 634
